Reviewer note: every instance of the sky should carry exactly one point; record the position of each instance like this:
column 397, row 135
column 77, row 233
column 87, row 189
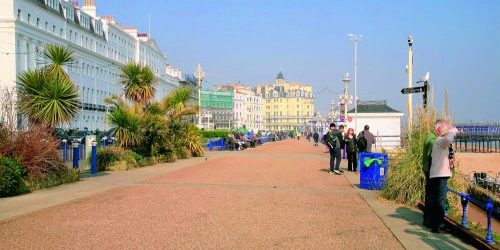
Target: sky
column 250, row 41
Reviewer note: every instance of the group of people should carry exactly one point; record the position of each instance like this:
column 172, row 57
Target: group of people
column 335, row 140
column 437, row 163
column 242, row 141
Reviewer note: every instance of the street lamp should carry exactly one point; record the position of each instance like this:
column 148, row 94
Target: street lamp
column 199, row 74
column 410, row 83
column 355, row 39
column 346, row 81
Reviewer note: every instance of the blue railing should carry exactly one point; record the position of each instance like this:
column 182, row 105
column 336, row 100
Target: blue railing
column 489, row 207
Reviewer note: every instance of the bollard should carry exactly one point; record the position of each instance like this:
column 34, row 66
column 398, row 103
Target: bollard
column 80, row 151
column 65, row 150
column 93, row 167
column 465, row 201
column 489, row 211
column 76, row 155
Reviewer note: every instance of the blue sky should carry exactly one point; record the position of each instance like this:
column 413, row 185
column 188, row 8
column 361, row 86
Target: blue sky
column 251, row 41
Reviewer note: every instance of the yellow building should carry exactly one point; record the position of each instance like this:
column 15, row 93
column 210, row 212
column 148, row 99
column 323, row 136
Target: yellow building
column 287, row 106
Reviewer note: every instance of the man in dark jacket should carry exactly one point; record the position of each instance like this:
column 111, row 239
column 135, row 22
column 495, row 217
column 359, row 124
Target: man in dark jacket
column 316, row 138
column 334, row 142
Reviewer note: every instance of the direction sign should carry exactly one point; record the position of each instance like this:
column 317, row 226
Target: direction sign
column 413, row 90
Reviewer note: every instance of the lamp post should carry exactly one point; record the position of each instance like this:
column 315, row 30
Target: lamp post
column 410, row 84
column 355, row 39
column 346, row 81
column 199, row 74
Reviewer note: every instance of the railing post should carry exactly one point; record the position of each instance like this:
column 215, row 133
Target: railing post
column 76, row 154
column 93, row 167
column 489, row 211
column 65, row 150
column 465, row 201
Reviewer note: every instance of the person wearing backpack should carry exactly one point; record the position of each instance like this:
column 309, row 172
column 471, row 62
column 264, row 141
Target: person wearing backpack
column 334, row 142
column 365, row 140
column 352, row 150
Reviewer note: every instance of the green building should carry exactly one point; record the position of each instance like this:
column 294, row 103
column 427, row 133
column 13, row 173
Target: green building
column 217, row 109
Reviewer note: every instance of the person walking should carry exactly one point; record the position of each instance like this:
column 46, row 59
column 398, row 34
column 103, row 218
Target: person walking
column 352, row 150
column 365, row 140
column 333, row 141
column 316, row 138
column 439, row 174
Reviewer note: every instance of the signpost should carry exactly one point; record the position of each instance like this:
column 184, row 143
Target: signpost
column 412, row 90
column 420, row 89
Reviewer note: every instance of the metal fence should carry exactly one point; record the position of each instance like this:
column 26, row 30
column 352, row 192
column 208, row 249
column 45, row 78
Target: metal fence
column 477, row 144
column 489, row 208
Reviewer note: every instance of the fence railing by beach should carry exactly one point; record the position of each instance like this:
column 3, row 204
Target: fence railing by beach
column 477, row 144
column 489, row 208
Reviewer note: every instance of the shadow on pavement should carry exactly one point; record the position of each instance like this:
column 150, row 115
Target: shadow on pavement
column 437, row 241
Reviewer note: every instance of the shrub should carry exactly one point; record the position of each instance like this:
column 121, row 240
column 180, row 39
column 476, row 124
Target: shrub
column 60, row 177
column 181, row 152
column 14, row 165
column 207, row 134
column 167, row 157
column 11, row 182
column 193, row 140
column 107, row 156
column 36, row 150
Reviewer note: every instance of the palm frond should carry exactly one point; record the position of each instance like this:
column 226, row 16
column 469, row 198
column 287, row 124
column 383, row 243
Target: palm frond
column 47, row 98
column 139, row 82
column 58, row 57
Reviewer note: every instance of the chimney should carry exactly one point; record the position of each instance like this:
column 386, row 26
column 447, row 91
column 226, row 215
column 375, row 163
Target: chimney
column 89, row 7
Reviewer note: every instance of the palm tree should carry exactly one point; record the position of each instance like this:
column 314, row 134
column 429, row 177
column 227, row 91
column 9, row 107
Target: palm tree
column 58, row 57
column 177, row 104
column 127, row 123
column 47, row 95
column 139, row 83
column 47, row 98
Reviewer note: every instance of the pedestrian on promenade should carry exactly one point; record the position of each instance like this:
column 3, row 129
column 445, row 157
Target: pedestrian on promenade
column 439, row 174
column 365, row 140
column 334, row 142
column 316, row 138
column 352, row 150
column 429, row 140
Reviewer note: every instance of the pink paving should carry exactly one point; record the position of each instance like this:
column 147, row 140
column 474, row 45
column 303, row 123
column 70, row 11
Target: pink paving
column 277, row 196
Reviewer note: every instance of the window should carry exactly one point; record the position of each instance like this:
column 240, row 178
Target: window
column 37, row 22
column 46, row 25
column 53, row 28
column 19, row 14
column 29, row 18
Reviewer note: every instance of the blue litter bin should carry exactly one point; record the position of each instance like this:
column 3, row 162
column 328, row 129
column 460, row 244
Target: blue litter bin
column 373, row 170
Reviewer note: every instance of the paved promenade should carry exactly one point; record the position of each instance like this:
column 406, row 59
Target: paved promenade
column 278, row 196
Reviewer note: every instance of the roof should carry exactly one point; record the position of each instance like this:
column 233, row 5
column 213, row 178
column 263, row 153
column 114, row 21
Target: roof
column 374, row 107
column 280, row 76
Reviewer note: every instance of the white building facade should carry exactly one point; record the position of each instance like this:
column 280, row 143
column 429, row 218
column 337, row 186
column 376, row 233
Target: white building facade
column 247, row 109
column 101, row 47
column 384, row 123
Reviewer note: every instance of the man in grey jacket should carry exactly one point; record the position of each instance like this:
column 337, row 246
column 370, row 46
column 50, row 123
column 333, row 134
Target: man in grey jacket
column 370, row 139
